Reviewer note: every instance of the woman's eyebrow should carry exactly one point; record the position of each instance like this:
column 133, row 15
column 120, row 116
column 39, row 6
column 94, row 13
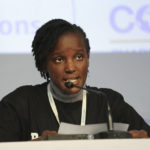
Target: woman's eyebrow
column 62, row 52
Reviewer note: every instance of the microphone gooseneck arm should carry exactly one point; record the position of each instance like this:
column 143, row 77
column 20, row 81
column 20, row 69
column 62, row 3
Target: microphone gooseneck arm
column 109, row 115
column 111, row 133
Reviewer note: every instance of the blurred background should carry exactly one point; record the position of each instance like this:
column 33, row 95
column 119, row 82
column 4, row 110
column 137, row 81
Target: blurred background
column 119, row 34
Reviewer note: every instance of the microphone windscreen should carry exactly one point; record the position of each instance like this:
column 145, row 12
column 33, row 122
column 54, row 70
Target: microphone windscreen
column 69, row 84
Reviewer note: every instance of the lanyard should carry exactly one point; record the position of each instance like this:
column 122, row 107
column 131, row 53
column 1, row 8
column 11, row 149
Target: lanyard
column 54, row 109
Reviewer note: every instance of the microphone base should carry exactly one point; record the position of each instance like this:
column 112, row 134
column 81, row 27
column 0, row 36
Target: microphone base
column 68, row 136
column 101, row 135
column 113, row 135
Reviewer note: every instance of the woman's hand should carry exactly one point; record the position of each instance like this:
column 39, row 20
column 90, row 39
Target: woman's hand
column 138, row 133
column 44, row 134
column 47, row 132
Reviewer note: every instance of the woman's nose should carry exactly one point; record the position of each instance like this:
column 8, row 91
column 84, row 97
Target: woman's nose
column 69, row 67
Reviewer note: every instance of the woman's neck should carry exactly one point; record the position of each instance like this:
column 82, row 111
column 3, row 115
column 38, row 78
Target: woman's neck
column 63, row 97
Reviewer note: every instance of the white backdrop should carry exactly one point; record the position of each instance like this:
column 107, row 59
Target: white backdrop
column 111, row 25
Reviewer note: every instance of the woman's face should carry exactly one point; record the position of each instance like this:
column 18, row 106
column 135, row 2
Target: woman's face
column 69, row 61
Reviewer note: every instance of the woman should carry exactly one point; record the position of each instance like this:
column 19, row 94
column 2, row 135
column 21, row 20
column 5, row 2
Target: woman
column 61, row 52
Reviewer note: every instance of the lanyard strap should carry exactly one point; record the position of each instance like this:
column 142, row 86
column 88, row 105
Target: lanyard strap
column 54, row 109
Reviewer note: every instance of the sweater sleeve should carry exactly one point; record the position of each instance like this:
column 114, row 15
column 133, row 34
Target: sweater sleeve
column 14, row 115
column 125, row 113
column 135, row 120
column 9, row 123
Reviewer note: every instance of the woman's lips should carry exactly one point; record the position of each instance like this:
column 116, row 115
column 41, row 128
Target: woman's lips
column 73, row 80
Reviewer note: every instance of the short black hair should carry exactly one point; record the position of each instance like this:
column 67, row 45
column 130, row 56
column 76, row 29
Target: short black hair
column 46, row 38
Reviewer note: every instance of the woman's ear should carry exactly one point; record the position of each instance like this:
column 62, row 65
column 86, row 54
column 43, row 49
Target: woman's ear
column 88, row 57
column 44, row 68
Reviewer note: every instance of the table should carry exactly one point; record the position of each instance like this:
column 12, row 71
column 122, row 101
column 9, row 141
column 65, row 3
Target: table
column 102, row 144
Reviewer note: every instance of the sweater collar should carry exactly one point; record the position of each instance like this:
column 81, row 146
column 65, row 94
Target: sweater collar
column 63, row 97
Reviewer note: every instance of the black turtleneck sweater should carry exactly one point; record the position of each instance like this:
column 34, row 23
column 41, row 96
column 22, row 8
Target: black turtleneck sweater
column 27, row 110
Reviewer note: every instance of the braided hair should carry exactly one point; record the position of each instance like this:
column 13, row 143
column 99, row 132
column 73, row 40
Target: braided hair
column 46, row 38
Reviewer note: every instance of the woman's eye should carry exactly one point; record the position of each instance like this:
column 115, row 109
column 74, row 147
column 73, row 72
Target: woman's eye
column 58, row 60
column 79, row 57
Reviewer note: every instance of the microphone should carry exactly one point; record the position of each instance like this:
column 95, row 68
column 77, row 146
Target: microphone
column 111, row 133
column 110, row 122
column 71, row 85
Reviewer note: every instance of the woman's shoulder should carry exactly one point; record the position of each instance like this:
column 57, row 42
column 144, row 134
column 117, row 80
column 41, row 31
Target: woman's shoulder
column 110, row 94
column 108, row 91
column 24, row 92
